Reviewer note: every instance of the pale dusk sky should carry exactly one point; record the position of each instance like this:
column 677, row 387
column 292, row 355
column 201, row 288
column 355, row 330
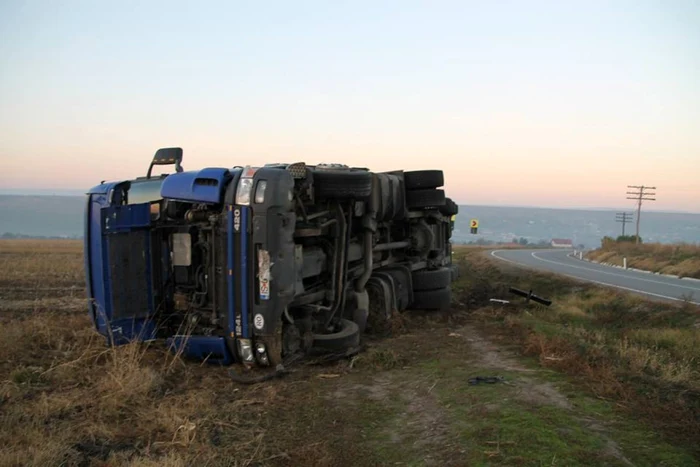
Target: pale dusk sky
column 557, row 104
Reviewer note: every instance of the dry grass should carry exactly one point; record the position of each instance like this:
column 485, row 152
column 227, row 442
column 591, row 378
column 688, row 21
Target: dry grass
column 40, row 264
column 678, row 259
column 67, row 399
column 682, row 342
column 24, row 246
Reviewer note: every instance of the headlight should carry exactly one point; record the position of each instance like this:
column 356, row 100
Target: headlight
column 260, row 192
column 261, row 353
column 245, row 350
column 245, row 186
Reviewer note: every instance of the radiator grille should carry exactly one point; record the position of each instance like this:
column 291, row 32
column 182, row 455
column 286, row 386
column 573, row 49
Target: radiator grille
column 128, row 263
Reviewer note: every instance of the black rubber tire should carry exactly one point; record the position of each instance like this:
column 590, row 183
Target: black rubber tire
column 343, row 184
column 432, row 279
column 418, row 199
column 346, row 338
column 421, row 179
column 450, row 208
column 432, row 299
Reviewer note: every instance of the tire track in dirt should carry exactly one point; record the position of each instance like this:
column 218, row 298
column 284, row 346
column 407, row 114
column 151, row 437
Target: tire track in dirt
column 421, row 425
column 532, row 391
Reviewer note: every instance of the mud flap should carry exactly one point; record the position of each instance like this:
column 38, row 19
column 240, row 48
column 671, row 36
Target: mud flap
column 361, row 311
column 381, row 305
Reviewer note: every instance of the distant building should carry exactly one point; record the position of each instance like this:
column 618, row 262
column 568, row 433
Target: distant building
column 562, row 243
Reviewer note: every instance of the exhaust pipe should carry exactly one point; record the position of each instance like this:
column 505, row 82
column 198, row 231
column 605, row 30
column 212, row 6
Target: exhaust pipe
column 369, row 222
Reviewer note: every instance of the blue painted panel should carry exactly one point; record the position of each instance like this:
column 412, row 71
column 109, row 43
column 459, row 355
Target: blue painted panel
column 86, row 259
column 105, row 310
column 94, row 260
column 244, row 271
column 123, row 331
column 103, row 188
column 101, row 220
column 213, row 349
column 204, row 186
column 127, row 217
column 229, row 272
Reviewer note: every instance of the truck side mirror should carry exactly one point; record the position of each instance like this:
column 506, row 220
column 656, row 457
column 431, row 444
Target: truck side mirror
column 166, row 156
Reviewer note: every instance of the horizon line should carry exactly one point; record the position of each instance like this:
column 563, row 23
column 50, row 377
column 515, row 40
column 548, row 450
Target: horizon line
column 77, row 193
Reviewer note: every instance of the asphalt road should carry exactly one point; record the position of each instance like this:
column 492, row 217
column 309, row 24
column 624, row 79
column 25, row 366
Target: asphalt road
column 559, row 262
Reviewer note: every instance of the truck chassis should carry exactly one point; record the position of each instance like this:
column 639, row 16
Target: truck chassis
column 257, row 264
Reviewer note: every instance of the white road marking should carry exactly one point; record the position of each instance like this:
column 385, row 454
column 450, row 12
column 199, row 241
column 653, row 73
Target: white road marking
column 534, row 255
column 493, row 253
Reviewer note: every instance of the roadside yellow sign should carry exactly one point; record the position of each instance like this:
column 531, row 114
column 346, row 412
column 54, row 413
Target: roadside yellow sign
column 474, row 226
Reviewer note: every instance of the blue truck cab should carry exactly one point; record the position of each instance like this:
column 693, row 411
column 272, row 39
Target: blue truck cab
column 258, row 264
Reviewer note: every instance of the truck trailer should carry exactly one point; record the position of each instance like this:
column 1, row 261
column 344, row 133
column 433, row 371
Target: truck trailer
column 254, row 265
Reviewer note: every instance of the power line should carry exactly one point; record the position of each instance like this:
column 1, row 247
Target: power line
column 641, row 194
column 624, row 218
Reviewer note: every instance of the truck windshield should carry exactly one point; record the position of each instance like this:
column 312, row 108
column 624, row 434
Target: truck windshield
column 145, row 191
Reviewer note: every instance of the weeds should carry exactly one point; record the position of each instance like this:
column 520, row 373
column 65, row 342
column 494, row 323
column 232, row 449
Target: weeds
column 678, row 259
column 68, row 399
column 643, row 355
column 36, row 264
column 29, row 376
column 382, row 359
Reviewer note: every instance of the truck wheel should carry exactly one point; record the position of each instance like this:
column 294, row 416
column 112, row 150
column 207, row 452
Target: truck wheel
column 431, row 280
column 418, row 199
column 423, row 179
column 432, row 299
column 343, row 184
column 347, row 336
column 450, row 208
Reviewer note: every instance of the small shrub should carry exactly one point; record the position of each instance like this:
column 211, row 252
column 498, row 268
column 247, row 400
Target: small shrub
column 28, row 376
column 682, row 259
column 383, row 359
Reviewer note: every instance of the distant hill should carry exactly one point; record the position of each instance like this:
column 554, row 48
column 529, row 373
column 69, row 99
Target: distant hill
column 587, row 227
column 42, row 216
column 62, row 216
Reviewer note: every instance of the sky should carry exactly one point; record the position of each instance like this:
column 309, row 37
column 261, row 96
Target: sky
column 555, row 104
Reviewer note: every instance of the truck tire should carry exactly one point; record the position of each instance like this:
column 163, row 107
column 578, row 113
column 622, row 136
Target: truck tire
column 421, row 179
column 346, row 337
column 450, row 208
column 431, row 279
column 418, row 199
column 432, row 299
column 343, row 184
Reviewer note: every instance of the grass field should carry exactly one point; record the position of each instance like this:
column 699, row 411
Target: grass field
column 599, row 378
column 677, row 259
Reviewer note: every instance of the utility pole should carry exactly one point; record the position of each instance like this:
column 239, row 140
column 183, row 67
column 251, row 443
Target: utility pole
column 640, row 195
column 624, row 218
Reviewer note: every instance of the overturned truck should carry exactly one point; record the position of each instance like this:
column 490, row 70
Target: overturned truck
column 256, row 264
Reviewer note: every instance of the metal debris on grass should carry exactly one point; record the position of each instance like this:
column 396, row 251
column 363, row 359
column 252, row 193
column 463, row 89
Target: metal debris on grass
column 486, row 379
